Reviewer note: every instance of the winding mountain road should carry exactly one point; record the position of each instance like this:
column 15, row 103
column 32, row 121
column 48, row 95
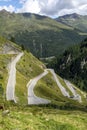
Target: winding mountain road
column 32, row 98
column 10, row 90
column 72, row 89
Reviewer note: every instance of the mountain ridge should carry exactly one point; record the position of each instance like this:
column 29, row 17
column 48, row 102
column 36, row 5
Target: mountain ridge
column 74, row 20
column 41, row 35
column 73, row 15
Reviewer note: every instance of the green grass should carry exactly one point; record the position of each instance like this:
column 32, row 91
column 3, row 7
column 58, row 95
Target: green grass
column 29, row 66
column 38, row 118
column 4, row 61
column 47, row 88
column 21, row 89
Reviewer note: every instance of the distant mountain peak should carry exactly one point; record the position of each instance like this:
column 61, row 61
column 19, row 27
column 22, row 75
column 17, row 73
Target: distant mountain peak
column 74, row 16
column 5, row 12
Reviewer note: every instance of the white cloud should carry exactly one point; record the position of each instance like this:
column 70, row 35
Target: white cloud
column 9, row 8
column 53, row 7
column 29, row 6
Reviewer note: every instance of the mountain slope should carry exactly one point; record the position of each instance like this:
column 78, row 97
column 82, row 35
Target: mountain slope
column 73, row 65
column 29, row 64
column 76, row 21
column 41, row 35
column 27, row 68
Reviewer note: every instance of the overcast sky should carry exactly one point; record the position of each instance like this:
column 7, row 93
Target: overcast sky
column 51, row 8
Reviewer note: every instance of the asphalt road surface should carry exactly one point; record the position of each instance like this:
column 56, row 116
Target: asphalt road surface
column 32, row 98
column 10, row 91
column 63, row 90
column 76, row 96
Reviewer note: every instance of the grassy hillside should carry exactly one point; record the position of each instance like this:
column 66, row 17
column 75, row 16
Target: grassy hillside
column 36, row 118
column 27, row 68
column 5, row 59
column 41, row 35
column 72, row 65
column 47, row 88
column 77, row 21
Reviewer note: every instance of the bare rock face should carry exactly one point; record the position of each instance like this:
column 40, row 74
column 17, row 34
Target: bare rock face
column 9, row 49
column 83, row 63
